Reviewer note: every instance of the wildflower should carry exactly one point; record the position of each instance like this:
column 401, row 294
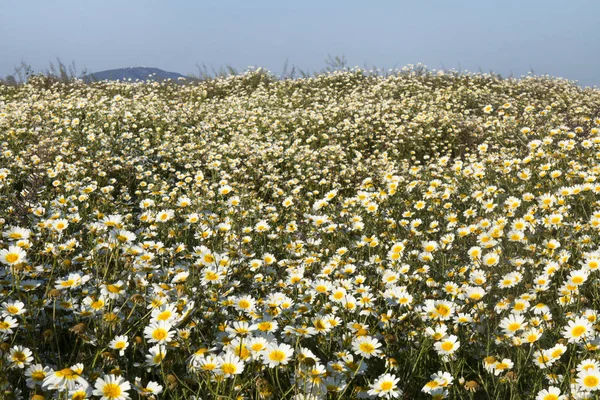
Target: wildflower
column 490, row 259
column 577, row 329
column 211, row 275
column 13, row 308
column 438, row 381
column 588, row 365
column 165, row 312
column 13, row 256
column 386, row 386
column 447, row 346
column 36, row 374
column 262, row 226
column 475, row 293
column 513, row 323
column 158, row 332
column 231, row 365
column 65, row 379
column 241, row 328
column 225, row 190
column 111, row 387
column 502, row 366
column 151, row 389
column 16, row 233
column 438, row 332
column 474, row 253
column 256, row 346
column 74, row 280
column 208, row 363
column 440, row 310
column 123, row 236
column 114, row 291
column 552, row 393
column 7, row 324
column 19, row 357
column 60, row 225
column 532, row 335
column 245, row 303
column 578, row 277
column 366, row 346
column 156, row 354
column 543, row 359
column 80, row 393
column 164, row 216
column 276, row 355
column 267, row 325
column 119, row 343
column 589, row 380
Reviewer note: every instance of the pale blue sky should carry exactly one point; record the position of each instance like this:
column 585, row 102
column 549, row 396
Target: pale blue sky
column 555, row 37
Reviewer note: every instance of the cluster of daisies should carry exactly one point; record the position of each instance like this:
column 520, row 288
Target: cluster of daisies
column 419, row 235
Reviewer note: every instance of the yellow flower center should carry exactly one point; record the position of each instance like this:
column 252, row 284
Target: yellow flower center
column 12, row 309
column 257, row 347
column 38, row 375
column 277, row 355
column 556, row 353
column 367, row 347
column 591, row 381
column 159, row 334
column 97, row 304
column 228, row 368
column 264, row 326
column 113, row 288
column 514, row 326
column 578, row 331
column 111, row 390
column 319, row 324
column 165, row 315
column 243, row 304
column 158, row 358
column 501, row 366
column 79, row 396
column 211, row 276
column 443, row 310
column 67, row 373
column 447, row 346
column 209, row 367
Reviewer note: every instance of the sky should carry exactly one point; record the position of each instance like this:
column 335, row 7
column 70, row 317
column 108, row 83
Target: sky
column 511, row 37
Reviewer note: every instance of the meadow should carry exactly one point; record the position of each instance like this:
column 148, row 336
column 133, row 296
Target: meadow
column 344, row 236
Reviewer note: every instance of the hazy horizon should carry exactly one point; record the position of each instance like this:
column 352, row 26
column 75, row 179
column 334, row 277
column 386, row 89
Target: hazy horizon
column 509, row 39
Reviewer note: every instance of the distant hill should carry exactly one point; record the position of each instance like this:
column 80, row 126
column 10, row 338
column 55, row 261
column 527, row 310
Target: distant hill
column 133, row 73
